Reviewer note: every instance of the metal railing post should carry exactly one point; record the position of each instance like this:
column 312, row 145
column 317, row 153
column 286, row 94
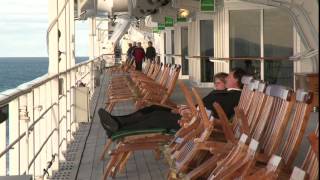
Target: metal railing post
column 14, row 132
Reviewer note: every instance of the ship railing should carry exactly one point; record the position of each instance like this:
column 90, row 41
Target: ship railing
column 37, row 119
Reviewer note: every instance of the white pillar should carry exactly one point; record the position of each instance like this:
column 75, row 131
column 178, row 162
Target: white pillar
column 92, row 35
column 14, row 132
column 53, row 69
column 3, row 137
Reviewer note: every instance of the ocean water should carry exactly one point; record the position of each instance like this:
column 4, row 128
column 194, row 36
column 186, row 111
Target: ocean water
column 18, row 70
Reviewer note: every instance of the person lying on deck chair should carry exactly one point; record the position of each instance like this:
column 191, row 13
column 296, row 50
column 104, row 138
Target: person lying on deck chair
column 156, row 116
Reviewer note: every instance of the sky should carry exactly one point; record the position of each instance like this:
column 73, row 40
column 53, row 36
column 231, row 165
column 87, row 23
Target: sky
column 23, row 26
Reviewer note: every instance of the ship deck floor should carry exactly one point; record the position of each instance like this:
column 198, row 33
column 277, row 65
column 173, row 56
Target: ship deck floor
column 142, row 165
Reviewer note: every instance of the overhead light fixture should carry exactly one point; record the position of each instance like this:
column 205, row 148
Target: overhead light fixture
column 184, row 13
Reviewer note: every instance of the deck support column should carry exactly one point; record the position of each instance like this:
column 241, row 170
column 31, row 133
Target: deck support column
column 53, row 50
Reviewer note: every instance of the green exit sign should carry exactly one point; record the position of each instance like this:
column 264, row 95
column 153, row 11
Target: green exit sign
column 161, row 26
column 155, row 30
column 169, row 21
column 207, row 5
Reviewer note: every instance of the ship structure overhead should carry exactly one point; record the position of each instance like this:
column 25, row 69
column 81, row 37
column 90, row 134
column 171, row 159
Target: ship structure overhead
column 50, row 127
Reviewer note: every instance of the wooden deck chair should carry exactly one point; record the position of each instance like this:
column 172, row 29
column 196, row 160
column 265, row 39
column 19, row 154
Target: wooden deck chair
column 161, row 94
column 298, row 174
column 193, row 150
column 274, row 118
column 124, row 67
column 299, row 121
column 117, row 81
column 192, row 121
column 268, row 111
column 238, row 158
column 241, row 124
column 135, row 93
column 119, row 84
column 311, row 162
column 132, row 141
column 270, row 172
column 227, row 131
column 181, row 132
column 310, row 166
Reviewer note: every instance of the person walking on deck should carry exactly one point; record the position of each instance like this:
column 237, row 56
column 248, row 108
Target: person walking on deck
column 150, row 52
column 129, row 51
column 139, row 54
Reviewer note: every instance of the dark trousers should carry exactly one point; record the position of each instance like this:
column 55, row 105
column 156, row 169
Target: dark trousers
column 138, row 65
column 149, row 118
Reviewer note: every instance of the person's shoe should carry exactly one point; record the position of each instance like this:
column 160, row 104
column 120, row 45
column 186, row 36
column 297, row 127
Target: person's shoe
column 107, row 122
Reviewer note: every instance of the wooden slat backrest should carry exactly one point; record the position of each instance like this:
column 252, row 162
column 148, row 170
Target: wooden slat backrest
column 299, row 121
column 259, row 104
column 171, row 83
column 223, row 119
column 241, row 114
column 202, row 109
column 270, row 172
column 298, row 174
column 245, row 92
column 146, row 67
column 192, row 107
column 156, row 71
column 151, row 69
column 190, row 151
column 276, row 104
column 188, row 97
column 311, row 162
column 165, row 75
column 278, row 118
column 239, row 157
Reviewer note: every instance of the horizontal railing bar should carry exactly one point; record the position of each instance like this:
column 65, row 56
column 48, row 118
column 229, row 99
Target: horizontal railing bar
column 23, row 134
column 8, row 148
column 242, row 58
column 19, row 92
column 40, row 117
column 39, row 151
column 62, row 118
column 84, row 76
column 63, row 139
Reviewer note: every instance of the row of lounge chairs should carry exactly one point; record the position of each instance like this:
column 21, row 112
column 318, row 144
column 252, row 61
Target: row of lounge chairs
column 154, row 85
column 262, row 141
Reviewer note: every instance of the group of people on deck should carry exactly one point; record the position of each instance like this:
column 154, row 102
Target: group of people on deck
column 227, row 93
column 137, row 52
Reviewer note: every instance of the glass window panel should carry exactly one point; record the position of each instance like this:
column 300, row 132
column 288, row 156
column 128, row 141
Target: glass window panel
column 172, row 46
column 278, row 42
column 206, row 49
column 245, row 39
column 184, row 51
column 165, row 46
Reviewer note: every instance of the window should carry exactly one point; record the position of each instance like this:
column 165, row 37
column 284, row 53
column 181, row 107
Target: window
column 184, row 51
column 245, row 39
column 206, row 49
column 278, row 42
column 172, row 46
column 165, row 47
